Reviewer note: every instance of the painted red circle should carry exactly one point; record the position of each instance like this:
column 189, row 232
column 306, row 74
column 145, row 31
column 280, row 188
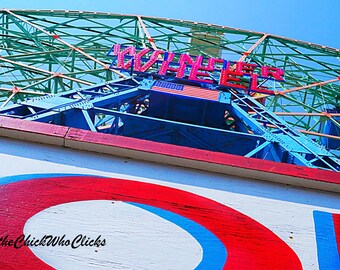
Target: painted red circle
column 250, row 245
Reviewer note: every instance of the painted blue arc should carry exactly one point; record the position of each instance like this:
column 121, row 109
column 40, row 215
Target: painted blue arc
column 328, row 254
column 25, row 177
column 214, row 252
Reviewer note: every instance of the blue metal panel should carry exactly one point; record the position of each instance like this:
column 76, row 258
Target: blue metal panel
column 332, row 127
column 138, row 126
column 128, row 107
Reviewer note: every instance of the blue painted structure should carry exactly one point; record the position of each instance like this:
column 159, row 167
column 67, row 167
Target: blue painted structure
column 129, row 107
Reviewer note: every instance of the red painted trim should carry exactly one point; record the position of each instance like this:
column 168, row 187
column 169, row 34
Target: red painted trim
column 202, row 155
column 112, row 141
column 33, row 127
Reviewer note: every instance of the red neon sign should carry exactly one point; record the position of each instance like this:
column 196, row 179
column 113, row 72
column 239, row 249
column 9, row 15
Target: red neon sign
column 241, row 75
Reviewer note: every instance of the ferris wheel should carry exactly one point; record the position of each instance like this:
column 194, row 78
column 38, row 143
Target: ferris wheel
column 57, row 63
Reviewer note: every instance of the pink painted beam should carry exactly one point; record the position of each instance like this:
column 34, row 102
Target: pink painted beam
column 203, row 160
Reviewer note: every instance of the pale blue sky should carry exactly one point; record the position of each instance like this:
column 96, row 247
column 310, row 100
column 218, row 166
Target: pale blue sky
column 316, row 21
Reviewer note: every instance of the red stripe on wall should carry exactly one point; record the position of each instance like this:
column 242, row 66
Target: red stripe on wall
column 336, row 220
column 171, row 154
